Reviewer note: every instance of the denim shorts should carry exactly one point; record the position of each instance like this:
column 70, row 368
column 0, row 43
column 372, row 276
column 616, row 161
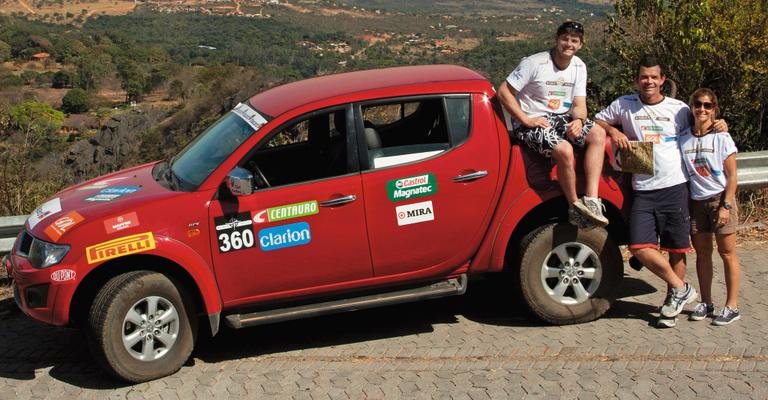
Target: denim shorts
column 660, row 219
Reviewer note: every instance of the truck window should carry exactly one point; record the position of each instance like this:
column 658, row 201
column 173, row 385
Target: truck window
column 399, row 132
column 311, row 147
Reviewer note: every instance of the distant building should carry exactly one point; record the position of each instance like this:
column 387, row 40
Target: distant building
column 40, row 56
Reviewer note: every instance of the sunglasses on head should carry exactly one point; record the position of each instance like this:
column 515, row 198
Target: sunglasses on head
column 577, row 26
column 707, row 105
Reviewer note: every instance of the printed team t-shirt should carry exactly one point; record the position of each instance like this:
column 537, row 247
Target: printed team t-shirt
column 703, row 157
column 542, row 88
column 657, row 123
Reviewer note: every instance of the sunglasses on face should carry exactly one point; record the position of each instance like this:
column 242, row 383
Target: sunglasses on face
column 707, row 105
column 578, row 27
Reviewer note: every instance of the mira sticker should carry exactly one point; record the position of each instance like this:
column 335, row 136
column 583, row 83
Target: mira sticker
column 112, row 193
column 280, row 237
column 288, row 211
column 51, row 206
column 235, row 232
column 412, row 187
column 121, row 222
column 120, row 247
column 62, row 225
column 415, row 213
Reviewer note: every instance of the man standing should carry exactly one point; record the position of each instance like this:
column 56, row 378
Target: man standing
column 547, row 97
column 659, row 214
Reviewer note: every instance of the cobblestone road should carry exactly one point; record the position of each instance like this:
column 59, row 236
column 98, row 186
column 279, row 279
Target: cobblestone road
column 478, row 346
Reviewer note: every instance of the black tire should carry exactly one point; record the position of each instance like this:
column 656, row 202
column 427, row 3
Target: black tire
column 134, row 295
column 569, row 275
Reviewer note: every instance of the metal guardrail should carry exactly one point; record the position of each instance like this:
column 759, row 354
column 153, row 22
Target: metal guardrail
column 752, row 168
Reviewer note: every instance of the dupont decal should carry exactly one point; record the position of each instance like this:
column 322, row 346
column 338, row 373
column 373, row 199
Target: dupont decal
column 289, row 211
column 62, row 225
column 234, row 233
column 280, row 237
column 121, row 222
column 120, row 247
column 412, row 187
column 63, row 275
column 51, row 206
column 415, row 213
column 112, row 193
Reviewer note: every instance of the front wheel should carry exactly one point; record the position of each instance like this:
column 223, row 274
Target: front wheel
column 569, row 275
column 141, row 326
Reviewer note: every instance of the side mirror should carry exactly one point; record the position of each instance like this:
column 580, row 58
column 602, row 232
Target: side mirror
column 240, row 182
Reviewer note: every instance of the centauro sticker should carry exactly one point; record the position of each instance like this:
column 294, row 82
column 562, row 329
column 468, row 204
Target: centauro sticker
column 412, row 187
column 288, row 211
column 234, row 233
column 280, row 237
column 415, row 213
column 63, row 224
column 120, row 247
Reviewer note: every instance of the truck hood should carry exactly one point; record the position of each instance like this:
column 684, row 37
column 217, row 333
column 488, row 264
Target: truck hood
column 105, row 196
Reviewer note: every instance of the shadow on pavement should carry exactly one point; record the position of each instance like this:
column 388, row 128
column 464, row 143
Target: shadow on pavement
column 29, row 346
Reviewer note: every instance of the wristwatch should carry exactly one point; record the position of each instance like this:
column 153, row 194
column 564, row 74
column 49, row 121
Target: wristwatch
column 726, row 205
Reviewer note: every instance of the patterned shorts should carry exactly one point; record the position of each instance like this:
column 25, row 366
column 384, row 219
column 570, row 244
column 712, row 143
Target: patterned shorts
column 543, row 140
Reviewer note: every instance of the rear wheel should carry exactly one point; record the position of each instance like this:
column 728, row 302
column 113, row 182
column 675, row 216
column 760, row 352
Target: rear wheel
column 569, row 275
column 141, row 326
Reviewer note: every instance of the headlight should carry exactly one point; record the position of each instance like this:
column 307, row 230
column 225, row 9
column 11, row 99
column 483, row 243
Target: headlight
column 43, row 254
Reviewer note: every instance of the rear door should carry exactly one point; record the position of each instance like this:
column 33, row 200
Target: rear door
column 430, row 173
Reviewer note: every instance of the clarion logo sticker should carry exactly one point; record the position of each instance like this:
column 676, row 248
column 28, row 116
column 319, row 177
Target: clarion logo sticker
column 414, row 213
column 279, row 237
column 120, row 247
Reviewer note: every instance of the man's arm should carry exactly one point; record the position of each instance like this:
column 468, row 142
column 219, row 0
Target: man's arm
column 506, row 95
column 578, row 115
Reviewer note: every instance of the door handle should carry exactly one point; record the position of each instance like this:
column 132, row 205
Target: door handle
column 471, row 176
column 338, row 201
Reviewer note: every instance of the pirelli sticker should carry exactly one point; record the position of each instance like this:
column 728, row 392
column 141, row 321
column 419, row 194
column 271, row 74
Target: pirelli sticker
column 120, row 247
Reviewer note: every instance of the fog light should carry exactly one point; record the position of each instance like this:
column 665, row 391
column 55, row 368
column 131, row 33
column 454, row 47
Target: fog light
column 37, row 296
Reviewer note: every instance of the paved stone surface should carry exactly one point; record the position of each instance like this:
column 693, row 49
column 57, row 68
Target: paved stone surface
column 477, row 346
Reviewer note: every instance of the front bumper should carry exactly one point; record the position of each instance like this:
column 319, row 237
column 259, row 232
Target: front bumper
column 37, row 294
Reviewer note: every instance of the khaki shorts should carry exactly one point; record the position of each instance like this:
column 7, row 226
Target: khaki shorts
column 704, row 217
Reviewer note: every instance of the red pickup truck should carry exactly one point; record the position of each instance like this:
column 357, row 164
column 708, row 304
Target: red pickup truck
column 331, row 194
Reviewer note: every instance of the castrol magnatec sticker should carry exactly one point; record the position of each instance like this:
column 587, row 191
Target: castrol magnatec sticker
column 235, row 232
column 412, row 187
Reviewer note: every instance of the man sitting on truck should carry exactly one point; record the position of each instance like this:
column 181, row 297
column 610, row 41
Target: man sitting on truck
column 546, row 96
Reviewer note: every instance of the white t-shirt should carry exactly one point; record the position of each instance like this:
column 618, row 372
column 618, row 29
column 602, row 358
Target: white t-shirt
column 703, row 157
column 542, row 88
column 658, row 123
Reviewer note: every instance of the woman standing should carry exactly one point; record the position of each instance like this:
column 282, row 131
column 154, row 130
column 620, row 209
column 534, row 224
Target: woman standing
column 710, row 159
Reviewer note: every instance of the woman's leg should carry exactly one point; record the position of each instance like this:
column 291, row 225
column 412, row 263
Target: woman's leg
column 702, row 243
column 726, row 246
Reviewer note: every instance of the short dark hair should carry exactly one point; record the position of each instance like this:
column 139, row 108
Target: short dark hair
column 648, row 62
column 571, row 27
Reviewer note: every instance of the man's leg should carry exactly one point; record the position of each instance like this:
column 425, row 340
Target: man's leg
column 566, row 172
column 593, row 159
column 660, row 266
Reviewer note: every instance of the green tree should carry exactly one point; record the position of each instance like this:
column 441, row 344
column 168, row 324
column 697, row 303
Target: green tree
column 76, row 101
column 36, row 121
column 720, row 44
column 5, row 51
column 63, row 79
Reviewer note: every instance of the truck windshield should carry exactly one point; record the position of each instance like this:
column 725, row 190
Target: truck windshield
column 204, row 154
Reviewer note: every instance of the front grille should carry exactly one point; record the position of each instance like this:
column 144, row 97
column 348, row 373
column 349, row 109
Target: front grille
column 25, row 243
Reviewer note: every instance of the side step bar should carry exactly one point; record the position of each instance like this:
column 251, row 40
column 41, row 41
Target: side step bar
column 451, row 287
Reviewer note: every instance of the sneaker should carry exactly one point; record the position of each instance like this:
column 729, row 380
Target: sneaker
column 576, row 219
column 680, row 297
column 701, row 311
column 592, row 209
column 729, row 315
column 664, row 322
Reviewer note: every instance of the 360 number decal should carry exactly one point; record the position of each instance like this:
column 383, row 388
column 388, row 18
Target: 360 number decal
column 235, row 232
